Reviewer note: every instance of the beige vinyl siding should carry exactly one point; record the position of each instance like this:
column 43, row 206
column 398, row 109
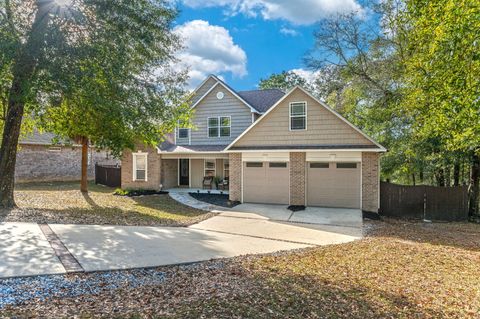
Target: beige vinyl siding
column 210, row 106
column 323, row 127
column 197, row 172
column 219, row 168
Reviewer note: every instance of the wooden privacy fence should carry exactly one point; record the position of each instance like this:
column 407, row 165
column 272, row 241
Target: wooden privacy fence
column 424, row 202
column 109, row 175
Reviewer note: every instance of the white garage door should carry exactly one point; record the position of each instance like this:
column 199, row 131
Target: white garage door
column 333, row 184
column 266, row 182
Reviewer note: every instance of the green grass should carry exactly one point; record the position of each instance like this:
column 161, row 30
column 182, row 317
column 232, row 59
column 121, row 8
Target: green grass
column 62, row 202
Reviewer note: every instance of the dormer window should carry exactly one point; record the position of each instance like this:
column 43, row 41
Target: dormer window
column 219, row 126
column 298, row 116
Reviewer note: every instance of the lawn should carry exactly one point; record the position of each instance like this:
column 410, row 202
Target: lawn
column 400, row 270
column 62, row 202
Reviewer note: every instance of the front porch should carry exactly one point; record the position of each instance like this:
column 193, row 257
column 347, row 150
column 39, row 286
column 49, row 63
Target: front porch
column 186, row 173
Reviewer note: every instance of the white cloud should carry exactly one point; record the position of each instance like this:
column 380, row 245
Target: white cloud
column 308, row 75
column 288, row 31
column 296, row 11
column 209, row 49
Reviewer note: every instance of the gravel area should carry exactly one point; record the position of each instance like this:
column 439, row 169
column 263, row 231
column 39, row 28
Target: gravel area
column 214, row 199
column 15, row 291
column 400, row 270
column 63, row 203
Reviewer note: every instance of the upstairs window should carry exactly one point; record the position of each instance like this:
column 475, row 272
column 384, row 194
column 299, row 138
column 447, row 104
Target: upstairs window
column 183, row 133
column 298, row 116
column 219, row 126
column 139, row 166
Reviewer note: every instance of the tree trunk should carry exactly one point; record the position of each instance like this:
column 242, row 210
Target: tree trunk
column 84, row 179
column 474, row 187
column 456, row 174
column 24, row 68
column 413, row 179
column 440, row 177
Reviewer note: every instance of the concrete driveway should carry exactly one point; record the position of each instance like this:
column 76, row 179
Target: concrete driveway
column 31, row 249
column 311, row 215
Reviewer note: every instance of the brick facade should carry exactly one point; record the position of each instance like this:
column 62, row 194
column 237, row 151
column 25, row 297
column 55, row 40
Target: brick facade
column 370, row 181
column 297, row 178
column 56, row 163
column 235, row 176
column 154, row 163
column 169, row 176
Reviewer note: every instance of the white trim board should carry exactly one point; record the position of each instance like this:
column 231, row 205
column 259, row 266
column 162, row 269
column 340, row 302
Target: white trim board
column 381, row 148
column 373, row 150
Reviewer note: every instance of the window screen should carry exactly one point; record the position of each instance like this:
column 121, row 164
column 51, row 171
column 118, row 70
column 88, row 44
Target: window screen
column 319, row 165
column 254, row 164
column 298, row 116
column 277, row 164
column 183, row 133
column 140, row 167
column 346, row 165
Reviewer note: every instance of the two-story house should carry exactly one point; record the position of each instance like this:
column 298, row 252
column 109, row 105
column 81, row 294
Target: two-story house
column 275, row 147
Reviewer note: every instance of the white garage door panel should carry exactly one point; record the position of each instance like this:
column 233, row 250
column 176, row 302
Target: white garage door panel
column 333, row 187
column 265, row 184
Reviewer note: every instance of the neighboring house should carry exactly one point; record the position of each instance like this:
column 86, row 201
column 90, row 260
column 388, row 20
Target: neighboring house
column 41, row 158
column 274, row 147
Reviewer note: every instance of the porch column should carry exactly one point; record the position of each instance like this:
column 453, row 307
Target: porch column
column 235, row 179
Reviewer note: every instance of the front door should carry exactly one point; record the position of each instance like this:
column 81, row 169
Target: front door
column 184, row 172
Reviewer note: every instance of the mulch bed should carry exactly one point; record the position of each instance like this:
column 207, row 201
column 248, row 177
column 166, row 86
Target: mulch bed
column 139, row 192
column 214, row 199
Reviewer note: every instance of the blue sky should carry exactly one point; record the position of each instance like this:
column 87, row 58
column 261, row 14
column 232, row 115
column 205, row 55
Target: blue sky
column 246, row 40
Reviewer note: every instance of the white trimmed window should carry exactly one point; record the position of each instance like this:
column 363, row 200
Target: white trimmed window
column 183, row 133
column 219, row 126
column 140, row 166
column 298, row 116
column 210, row 167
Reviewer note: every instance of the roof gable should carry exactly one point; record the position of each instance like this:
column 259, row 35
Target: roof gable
column 226, row 87
column 325, row 128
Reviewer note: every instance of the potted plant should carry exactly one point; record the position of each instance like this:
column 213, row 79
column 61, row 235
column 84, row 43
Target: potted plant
column 217, row 181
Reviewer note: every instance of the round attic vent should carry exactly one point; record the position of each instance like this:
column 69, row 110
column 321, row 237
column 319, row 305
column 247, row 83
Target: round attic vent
column 220, row 95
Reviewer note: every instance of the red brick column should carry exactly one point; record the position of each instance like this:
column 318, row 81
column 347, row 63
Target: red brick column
column 370, row 181
column 235, row 181
column 297, row 178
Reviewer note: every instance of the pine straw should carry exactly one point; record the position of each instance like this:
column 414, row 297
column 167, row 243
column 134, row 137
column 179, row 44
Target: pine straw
column 400, row 270
column 64, row 203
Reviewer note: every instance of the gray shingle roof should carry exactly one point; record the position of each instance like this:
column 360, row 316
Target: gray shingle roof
column 44, row 138
column 261, row 100
column 171, row 148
